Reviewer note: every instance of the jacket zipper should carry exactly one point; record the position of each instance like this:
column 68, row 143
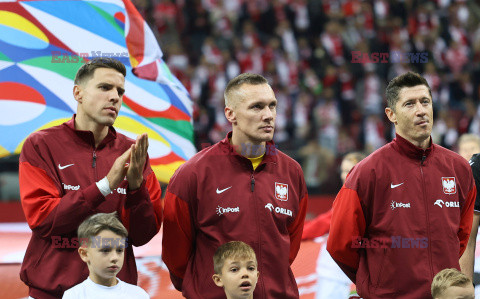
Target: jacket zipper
column 94, row 164
column 94, row 161
column 259, row 253
column 252, row 183
column 428, row 220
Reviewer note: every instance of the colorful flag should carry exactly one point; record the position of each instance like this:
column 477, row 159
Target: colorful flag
column 42, row 45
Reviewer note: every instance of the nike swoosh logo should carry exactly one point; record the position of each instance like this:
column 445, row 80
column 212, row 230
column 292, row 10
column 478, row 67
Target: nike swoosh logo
column 63, row 167
column 395, row 186
column 223, row 190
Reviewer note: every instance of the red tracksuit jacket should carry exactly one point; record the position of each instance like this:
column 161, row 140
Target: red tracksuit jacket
column 217, row 197
column 58, row 170
column 414, row 217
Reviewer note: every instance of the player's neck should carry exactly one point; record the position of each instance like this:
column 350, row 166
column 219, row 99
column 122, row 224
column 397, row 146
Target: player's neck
column 421, row 143
column 99, row 131
column 248, row 149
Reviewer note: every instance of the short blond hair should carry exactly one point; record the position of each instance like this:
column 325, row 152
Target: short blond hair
column 448, row 278
column 467, row 137
column 232, row 250
column 354, row 157
column 235, row 83
column 99, row 222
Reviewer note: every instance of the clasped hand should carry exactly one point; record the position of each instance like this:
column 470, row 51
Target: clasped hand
column 130, row 164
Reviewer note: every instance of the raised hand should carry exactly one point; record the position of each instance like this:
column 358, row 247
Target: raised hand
column 118, row 170
column 138, row 156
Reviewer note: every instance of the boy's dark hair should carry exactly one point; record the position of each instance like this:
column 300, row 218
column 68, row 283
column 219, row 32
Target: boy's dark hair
column 409, row 79
column 86, row 71
column 232, row 250
column 97, row 223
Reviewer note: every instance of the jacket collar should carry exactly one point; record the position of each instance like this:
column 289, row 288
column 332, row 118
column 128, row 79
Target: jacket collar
column 87, row 136
column 271, row 151
column 405, row 147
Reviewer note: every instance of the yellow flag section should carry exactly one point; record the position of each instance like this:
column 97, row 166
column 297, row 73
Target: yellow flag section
column 163, row 159
column 3, row 152
column 18, row 22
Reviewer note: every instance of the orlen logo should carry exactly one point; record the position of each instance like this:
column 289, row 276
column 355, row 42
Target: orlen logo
column 70, row 187
column 278, row 210
column 448, row 204
column 395, row 205
column 121, row 190
column 221, row 211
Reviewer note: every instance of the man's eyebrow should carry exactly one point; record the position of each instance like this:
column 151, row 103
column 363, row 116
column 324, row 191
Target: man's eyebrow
column 260, row 102
column 414, row 99
column 122, row 90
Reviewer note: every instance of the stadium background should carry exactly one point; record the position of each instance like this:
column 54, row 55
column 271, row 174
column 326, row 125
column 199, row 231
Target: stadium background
column 330, row 101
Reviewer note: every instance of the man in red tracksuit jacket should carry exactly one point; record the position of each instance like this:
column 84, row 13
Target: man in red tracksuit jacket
column 405, row 212
column 242, row 189
column 74, row 170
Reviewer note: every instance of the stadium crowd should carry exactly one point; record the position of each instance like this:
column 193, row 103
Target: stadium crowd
column 329, row 63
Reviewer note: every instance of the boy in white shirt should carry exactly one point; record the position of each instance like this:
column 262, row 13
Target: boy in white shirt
column 103, row 239
column 235, row 267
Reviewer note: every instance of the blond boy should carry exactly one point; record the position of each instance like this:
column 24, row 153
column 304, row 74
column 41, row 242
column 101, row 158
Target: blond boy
column 103, row 240
column 235, row 267
column 451, row 283
column 468, row 144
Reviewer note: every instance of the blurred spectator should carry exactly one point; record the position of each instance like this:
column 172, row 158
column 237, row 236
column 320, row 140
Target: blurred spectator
column 316, row 165
column 326, row 116
column 468, row 145
column 331, row 281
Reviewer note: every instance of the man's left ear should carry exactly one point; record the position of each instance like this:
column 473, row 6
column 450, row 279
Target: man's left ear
column 217, row 279
column 230, row 115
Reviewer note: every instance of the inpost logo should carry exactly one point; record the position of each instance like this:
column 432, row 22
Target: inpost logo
column 221, row 211
column 395, row 205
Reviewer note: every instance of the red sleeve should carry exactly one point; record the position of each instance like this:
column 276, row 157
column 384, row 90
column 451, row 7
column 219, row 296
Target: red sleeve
column 295, row 229
column 466, row 220
column 142, row 213
column 347, row 222
column 177, row 243
column 46, row 211
column 318, row 226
